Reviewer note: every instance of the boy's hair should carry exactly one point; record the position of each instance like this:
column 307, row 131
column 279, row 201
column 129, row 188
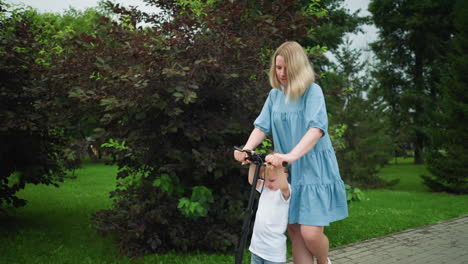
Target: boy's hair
column 300, row 73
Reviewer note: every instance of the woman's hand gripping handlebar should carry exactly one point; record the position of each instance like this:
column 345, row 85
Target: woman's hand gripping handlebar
column 249, row 156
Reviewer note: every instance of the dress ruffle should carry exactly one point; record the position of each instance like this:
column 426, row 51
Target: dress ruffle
column 318, row 204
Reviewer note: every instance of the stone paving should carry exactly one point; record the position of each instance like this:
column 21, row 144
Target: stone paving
column 444, row 242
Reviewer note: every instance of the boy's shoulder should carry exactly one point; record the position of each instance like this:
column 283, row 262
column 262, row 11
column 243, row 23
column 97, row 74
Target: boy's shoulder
column 276, row 193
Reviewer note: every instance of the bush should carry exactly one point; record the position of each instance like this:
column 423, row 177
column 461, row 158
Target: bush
column 181, row 103
column 353, row 194
column 31, row 143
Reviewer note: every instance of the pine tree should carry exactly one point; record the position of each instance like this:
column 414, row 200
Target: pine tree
column 367, row 145
column 448, row 158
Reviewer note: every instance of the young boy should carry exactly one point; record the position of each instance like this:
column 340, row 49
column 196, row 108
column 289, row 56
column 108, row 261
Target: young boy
column 268, row 244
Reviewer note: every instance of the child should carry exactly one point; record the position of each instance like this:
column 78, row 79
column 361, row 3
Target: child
column 268, row 244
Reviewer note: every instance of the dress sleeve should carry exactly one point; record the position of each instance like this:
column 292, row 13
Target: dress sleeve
column 315, row 109
column 263, row 121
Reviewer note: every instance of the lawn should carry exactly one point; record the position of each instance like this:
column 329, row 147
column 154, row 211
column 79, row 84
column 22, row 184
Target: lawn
column 55, row 225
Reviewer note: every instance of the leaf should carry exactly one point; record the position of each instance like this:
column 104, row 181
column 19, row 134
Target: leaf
column 183, row 203
column 176, row 111
column 108, row 101
column 100, row 60
column 157, row 182
column 178, row 94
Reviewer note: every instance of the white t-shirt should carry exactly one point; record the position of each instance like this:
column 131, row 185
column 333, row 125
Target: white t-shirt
column 268, row 238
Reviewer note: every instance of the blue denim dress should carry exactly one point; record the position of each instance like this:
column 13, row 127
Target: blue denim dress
column 318, row 196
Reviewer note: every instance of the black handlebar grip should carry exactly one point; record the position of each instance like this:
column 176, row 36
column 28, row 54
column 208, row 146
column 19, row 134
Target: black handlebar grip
column 285, row 165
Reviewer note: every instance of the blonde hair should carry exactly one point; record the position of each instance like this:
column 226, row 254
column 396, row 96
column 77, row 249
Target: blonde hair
column 300, row 73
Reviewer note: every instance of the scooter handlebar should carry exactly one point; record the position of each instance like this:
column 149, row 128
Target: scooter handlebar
column 258, row 157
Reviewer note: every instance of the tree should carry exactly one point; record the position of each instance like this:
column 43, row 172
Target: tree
column 413, row 38
column 366, row 145
column 337, row 22
column 448, row 158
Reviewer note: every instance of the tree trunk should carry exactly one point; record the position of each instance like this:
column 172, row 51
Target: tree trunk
column 418, row 148
column 419, row 115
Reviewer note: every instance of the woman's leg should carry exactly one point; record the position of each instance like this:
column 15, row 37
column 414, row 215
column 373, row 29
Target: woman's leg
column 301, row 254
column 316, row 241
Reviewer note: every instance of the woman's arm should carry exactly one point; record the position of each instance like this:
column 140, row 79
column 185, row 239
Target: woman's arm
column 255, row 138
column 307, row 142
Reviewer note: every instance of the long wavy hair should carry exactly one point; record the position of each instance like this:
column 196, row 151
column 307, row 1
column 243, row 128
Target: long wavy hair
column 300, row 73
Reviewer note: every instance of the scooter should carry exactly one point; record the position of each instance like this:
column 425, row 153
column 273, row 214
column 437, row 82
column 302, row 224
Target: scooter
column 258, row 160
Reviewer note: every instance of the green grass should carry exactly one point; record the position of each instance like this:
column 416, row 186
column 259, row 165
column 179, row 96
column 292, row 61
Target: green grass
column 55, row 226
column 408, row 173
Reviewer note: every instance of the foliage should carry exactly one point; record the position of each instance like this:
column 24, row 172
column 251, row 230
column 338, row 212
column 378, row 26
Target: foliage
column 42, row 130
column 412, row 45
column 195, row 6
column 360, row 130
column 169, row 184
column 115, row 148
column 334, row 25
column 448, row 158
column 31, row 142
column 198, row 205
column 265, row 147
column 353, row 194
column 337, row 132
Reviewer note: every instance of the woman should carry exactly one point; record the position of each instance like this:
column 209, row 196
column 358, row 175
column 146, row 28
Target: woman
column 295, row 115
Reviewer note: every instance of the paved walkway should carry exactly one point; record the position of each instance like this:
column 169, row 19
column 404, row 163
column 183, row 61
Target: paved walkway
column 445, row 242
